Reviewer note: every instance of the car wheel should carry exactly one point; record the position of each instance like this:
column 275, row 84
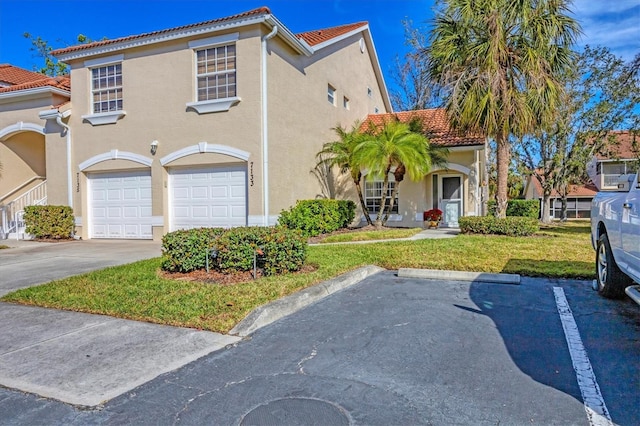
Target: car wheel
column 611, row 280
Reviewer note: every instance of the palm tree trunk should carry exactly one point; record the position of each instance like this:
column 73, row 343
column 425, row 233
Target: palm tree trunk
column 383, row 201
column 363, row 205
column 503, row 160
column 391, row 204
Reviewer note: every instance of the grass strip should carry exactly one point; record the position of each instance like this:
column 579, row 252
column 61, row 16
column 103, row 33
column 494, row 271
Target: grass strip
column 136, row 291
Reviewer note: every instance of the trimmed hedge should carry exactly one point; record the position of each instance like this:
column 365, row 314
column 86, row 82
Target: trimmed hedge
column 282, row 249
column 55, row 222
column 511, row 226
column 315, row 217
column 187, row 250
column 519, row 208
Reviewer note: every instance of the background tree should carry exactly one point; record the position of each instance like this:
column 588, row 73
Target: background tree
column 601, row 95
column 42, row 49
column 414, row 90
column 500, row 64
column 392, row 146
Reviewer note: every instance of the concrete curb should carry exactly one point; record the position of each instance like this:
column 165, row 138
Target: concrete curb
column 280, row 308
column 434, row 274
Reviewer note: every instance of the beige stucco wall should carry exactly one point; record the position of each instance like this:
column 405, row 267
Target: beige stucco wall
column 31, row 151
column 301, row 118
column 158, row 82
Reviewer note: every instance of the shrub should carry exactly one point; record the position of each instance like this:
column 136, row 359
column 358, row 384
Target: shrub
column 49, row 221
column 347, row 209
column 187, row 250
column 519, row 208
column 511, row 226
column 282, row 250
column 315, row 217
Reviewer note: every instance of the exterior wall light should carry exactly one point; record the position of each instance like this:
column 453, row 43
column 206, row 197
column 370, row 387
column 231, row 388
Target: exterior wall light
column 154, row 147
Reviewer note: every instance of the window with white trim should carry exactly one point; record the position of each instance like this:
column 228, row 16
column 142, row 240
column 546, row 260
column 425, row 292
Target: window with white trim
column 331, row 94
column 373, row 194
column 345, row 102
column 216, row 72
column 106, row 88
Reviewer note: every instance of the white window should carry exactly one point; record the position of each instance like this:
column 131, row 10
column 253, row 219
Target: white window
column 369, row 92
column 331, row 94
column 345, row 102
column 106, row 88
column 373, row 195
column 216, row 72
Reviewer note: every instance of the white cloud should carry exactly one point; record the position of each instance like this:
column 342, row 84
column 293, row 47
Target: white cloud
column 614, row 24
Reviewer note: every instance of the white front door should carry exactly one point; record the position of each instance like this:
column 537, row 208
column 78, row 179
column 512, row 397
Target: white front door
column 208, row 197
column 120, row 205
column 451, row 200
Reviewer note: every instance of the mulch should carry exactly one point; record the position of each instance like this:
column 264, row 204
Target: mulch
column 223, row 279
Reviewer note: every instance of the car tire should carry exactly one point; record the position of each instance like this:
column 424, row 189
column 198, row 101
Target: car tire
column 611, row 280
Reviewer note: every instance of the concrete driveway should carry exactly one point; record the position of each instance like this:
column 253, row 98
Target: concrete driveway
column 27, row 263
column 79, row 358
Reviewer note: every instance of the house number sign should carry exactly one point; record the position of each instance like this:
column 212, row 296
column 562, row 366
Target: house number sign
column 251, row 173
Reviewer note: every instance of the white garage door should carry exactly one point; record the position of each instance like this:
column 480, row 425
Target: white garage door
column 208, row 197
column 120, row 205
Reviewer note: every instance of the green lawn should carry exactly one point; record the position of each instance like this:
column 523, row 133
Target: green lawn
column 136, row 291
column 386, row 234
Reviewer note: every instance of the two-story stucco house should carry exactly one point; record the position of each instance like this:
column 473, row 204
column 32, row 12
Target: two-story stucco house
column 214, row 124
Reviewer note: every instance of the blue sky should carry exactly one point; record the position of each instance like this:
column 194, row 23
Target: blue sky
column 612, row 23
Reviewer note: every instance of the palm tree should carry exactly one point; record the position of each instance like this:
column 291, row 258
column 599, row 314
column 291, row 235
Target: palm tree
column 393, row 145
column 340, row 153
column 500, row 62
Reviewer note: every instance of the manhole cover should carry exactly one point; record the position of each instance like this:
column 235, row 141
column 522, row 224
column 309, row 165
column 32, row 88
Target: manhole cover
column 295, row 411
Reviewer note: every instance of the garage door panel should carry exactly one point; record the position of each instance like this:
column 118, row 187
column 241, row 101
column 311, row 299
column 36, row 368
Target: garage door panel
column 216, row 197
column 121, row 205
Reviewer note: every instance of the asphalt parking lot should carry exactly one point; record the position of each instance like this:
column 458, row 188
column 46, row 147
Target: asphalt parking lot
column 392, row 350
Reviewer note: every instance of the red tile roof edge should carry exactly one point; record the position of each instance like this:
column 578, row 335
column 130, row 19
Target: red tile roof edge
column 61, row 82
column 15, row 75
column 316, row 37
column 436, row 127
column 575, row 190
column 259, row 11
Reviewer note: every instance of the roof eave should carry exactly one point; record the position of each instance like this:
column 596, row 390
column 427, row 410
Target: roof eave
column 159, row 37
column 16, row 95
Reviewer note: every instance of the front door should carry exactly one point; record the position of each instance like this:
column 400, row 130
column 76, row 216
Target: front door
column 451, row 190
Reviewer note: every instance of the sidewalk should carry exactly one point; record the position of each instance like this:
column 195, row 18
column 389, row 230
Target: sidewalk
column 438, row 233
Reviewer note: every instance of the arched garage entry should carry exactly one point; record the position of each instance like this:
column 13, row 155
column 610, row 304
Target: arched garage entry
column 210, row 192
column 119, row 203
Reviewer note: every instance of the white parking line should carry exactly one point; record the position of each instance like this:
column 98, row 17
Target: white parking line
column 594, row 405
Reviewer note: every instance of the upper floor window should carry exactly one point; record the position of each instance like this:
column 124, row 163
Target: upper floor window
column 345, row 102
column 216, row 72
column 106, row 88
column 331, row 94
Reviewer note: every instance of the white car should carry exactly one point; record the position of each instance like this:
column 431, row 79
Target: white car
column 615, row 235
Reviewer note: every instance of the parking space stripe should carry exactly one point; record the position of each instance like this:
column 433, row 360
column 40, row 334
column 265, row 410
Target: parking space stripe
column 594, row 404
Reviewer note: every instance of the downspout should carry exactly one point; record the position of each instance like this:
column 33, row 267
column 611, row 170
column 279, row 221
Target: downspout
column 69, row 178
column 265, row 132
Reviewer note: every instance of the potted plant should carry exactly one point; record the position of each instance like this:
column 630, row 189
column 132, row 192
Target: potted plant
column 432, row 216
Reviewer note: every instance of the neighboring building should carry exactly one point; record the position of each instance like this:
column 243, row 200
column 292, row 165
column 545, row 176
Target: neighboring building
column 578, row 199
column 211, row 124
column 28, row 151
column 619, row 156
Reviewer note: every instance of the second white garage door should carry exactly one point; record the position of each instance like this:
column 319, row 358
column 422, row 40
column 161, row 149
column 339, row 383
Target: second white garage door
column 208, row 197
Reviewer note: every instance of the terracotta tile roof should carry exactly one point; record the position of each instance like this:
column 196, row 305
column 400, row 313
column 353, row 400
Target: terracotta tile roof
column 12, row 75
column 625, row 145
column 258, row 11
column 586, row 190
column 436, row 126
column 62, row 83
column 316, row 37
